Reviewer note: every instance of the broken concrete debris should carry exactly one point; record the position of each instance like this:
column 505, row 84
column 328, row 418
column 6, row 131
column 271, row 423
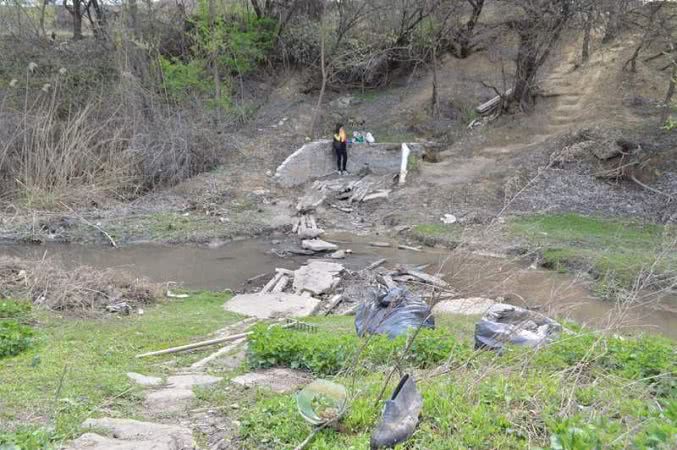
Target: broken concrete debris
column 268, row 306
column 318, row 277
column 318, row 245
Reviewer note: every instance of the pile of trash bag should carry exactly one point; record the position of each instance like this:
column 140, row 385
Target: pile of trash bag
column 503, row 324
column 393, row 313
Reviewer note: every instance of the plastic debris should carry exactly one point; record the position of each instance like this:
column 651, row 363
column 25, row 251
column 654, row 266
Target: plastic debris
column 507, row 324
column 322, row 401
column 393, row 314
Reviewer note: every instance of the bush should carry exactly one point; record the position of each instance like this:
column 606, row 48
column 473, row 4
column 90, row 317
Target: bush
column 14, row 337
column 325, row 353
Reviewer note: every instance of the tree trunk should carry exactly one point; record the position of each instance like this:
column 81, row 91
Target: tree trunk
column 525, row 71
column 435, row 101
column 464, row 36
column 134, row 17
column 76, row 15
column 668, row 96
column 43, row 7
column 323, row 66
column 214, row 63
column 585, row 52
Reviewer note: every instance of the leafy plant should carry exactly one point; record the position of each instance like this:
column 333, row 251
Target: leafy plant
column 12, row 309
column 326, row 353
column 14, row 338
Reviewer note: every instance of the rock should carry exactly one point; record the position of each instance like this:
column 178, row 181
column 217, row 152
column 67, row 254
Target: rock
column 317, row 277
column 464, row 306
column 280, row 381
column 318, row 245
column 340, row 254
column 311, row 201
column 190, row 380
column 448, row 219
column 144, row 380
column 376, row 195
column 133, row 435
column 266, row 306
column 169, row 401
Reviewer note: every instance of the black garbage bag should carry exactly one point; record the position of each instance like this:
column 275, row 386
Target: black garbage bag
column 503, row 324
column 393, row 314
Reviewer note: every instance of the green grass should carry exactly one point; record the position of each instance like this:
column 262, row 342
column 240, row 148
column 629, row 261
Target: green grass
column 77, row 368
column 433, row 234
column 615, row 251
column 584, row 391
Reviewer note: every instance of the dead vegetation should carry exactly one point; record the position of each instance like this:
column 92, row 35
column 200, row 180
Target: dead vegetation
column 80, row 291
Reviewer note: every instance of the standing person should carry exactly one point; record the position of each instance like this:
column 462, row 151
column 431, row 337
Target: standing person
column 341, row 149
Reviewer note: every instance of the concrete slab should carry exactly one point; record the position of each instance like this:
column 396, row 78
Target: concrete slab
column 317, row 277
column 464, row 306
column 280, row 381
column 190, row 380
column 169, row 401
column 130, row 434
column 318, row 245
column 143, row 380
column 267, row 306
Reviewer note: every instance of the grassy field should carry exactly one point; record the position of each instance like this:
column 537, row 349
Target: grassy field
column 612, row 250
column 586, row 390
column 77, row 368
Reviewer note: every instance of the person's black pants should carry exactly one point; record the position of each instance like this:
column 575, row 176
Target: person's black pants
column 341, row 158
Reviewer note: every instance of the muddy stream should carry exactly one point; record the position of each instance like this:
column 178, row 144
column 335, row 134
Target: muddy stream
column 230, row 265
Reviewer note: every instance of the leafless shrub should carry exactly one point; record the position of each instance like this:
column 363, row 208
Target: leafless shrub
column 80, row 291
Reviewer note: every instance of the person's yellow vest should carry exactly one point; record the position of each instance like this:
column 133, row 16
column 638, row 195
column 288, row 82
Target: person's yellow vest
column 341, row 137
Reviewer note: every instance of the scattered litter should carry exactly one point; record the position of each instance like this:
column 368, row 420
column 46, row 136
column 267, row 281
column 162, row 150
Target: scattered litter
column 448, row 219
column 119, row 308
column 511, row 324
column 393, row 314
column 170, row 294
column 400, row 415
column 322, row 401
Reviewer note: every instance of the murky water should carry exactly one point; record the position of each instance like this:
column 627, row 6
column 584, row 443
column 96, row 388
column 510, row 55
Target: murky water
column 230, row 265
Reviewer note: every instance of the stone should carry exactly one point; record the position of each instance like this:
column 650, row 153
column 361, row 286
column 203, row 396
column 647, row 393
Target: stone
column 267, row 306
column 280, row 381
column 311, row 201
column 190, row 380
column 464, row 306
column 318, row 245
column 169, row 401
column 130, row 434
column 144, row 380
column 376, row 195
column 317, row 277
column 340, row 254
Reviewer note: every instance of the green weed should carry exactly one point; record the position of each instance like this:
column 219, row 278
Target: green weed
column 432, row 234
column 616, row 251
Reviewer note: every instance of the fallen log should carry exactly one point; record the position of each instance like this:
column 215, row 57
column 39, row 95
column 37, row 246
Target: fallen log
column 380, row 244
column 492, row 104
column 375, row 264
column 281, row 284
column 184, row 348
column 427, row 278
column 201, row 364
column 406, row 247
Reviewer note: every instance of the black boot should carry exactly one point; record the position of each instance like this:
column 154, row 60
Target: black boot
column 400, row 415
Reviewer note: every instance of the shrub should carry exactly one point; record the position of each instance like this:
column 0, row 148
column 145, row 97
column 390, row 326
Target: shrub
column 14, row 337
column 325, row 353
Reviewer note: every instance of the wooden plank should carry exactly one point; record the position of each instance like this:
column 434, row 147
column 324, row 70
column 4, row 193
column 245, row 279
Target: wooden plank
column 493, row 103
column 281, row 284
column 333, row 303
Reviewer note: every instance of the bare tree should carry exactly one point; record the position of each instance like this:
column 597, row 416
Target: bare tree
column 75, row 11
column 463, row 37
column 538, row 25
